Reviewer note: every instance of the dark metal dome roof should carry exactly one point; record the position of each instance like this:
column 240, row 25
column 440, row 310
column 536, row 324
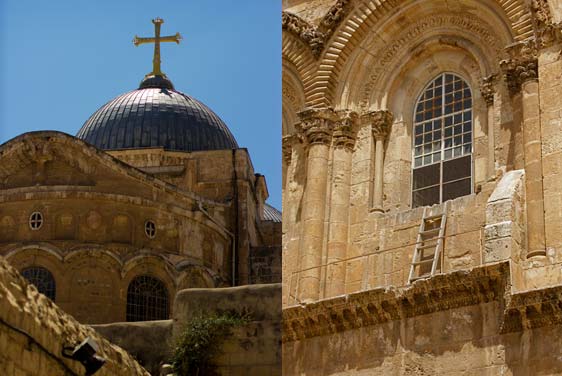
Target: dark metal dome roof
column 271, row 214
column 156, row 115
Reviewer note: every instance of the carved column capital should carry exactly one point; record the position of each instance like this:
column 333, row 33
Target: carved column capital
column 316, row 125
column 345, row 129
column 488, row 88
column 548, row 32
column 522, row 65
column 381, row 122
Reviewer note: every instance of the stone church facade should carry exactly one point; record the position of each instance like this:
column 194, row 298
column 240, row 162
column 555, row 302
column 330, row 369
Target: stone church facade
column 421, row 187
column 152, row 196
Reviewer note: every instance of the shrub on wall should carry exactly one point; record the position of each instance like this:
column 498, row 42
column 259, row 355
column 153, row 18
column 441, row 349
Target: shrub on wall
column 202, row 341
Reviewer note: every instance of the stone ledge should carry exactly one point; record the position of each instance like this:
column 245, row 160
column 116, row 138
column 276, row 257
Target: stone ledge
column 521, row 311
column 442, row 292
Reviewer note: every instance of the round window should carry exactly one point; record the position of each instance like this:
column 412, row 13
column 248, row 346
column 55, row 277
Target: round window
column 35, row 220
column 150, row 229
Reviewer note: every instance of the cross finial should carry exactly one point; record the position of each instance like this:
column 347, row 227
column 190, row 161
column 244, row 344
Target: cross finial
column 156, row 40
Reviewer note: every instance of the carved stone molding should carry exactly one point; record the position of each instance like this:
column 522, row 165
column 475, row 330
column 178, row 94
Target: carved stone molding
column 316, row 37
column 380, row 121
column 547, row 32
column 386, row 55
column 304, row 31
column 520, row 311
column 377, row 306
column 521, row 66
column 345, row 129
column 488, row 88
column 287, row 144
column 317, row 125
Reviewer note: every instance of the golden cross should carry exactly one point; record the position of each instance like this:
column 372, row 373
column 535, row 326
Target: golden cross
column 156, row 40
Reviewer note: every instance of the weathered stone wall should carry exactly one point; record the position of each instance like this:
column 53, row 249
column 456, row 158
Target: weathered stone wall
column 265, row 264
column 255, row 348
column 149, row 342
column 33, row 332
column 94, row 208
column 463, row 323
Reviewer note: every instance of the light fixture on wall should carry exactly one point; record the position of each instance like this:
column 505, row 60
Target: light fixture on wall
column 85, row 353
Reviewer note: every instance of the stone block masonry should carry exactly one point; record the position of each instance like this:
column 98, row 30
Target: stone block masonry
column 34, row 330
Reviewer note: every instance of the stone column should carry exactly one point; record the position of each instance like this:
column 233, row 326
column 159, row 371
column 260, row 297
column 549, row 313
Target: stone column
column 521, row 73
column 343, row 141
column 380, row 122
column 488, row 90
column 316, row 127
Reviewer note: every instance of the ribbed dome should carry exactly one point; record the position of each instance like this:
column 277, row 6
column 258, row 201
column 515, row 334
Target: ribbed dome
column 156, row 115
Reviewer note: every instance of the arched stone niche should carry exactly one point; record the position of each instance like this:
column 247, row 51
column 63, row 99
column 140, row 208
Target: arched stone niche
column 392, row 65
column 293, row 98
column 92, row 286
column 194, row 276
column 149, row 265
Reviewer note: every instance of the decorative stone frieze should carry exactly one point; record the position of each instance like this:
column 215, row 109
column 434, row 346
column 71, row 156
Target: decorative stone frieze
column 372, row 307
column 380, row 121
column 305, row 31
column 521, row 66
column 317, row 125
column 345, row 129
column 488, row 88
column 316, row 37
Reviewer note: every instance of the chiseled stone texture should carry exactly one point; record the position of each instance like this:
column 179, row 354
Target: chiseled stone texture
column 254, row 349
column 149, row 342
column 462, row 323
column 95, row 205
column 364, row 56
column 47, row 330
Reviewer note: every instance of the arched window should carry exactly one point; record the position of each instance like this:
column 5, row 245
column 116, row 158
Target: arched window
column 42, row 279
column 442, row 152
column 147, row 299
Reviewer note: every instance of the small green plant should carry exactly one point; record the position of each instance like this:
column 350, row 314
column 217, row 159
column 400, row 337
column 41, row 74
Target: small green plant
column 201, row 342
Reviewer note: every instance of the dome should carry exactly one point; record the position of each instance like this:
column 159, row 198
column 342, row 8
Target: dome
column 156, row 115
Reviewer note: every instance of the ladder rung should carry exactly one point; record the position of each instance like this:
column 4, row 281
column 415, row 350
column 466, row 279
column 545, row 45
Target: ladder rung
column 428, row 246
column 420, row 277
column 432, row 231
column 423, row 262
column 433, row 239
column 433, row 217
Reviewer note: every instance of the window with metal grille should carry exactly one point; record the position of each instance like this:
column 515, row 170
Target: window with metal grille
column 147, row 299
column 150, row 229
column 442, row 152
column 35, row 220
column 42, row 279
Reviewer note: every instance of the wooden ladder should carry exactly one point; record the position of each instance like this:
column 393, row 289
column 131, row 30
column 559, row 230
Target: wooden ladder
column 429, row 244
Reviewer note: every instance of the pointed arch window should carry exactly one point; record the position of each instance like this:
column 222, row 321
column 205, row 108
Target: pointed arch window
column 147, row 299
column 442, row 141
column 42, row 279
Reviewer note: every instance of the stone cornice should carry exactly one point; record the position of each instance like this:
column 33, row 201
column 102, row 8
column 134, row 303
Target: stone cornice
column 367, row 308
column 345, row 129
column 316, row 125
column 488, row 88
column 522, row 65
column 521, row 311
column 316, row 37
column 380, row 121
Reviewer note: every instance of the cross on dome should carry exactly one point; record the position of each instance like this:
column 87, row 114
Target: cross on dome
column 156, row 71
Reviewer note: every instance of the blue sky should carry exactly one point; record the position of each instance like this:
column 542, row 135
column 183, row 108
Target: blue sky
column 61, row 60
